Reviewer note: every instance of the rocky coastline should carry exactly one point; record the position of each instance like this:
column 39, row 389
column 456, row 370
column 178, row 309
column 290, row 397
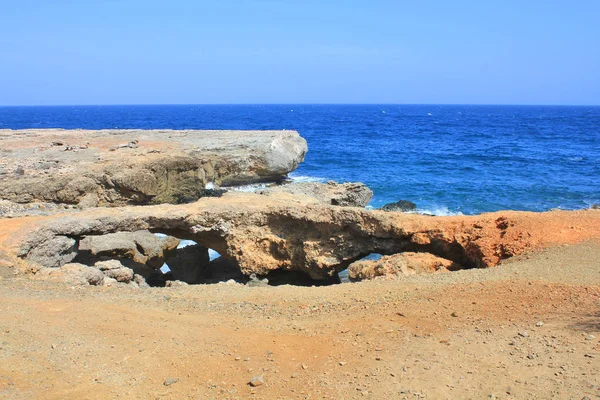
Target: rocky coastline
column 73, row 201
column 109, row 287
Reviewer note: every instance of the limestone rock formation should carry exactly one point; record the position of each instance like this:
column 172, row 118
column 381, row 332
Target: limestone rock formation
column 141, row 250
column 73, row 274
column 408, row 263
column 268, row 233
column 115, row 270
column 339, row 194
column 119, row 167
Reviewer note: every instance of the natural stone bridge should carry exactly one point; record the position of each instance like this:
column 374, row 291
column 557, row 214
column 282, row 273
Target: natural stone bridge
column 295, row 233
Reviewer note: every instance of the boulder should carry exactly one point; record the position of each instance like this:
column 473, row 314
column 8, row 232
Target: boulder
column 408, row 263
column 332, row 193
column 115, row 270
column 401, row 205
column 54, row 253
column 73, row 274
column 142, row 247
column 121, row 167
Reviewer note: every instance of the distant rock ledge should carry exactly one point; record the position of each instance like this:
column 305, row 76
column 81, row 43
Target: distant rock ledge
column 93, row 168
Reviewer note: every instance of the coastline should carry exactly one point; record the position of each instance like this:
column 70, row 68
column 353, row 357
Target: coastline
column 504, row 304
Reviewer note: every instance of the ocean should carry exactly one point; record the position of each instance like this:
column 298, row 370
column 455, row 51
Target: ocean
column 448, row 159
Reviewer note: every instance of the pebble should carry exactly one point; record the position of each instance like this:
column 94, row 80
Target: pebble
column 454, row 314
column 304, row 366
column 590, row 337
column 256, row 381
column 342, row 363
column 170, row 381
column 539, row 324
column 294, row 375
column 524, row 334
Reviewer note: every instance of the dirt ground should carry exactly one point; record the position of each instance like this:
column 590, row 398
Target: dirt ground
column 527, row 329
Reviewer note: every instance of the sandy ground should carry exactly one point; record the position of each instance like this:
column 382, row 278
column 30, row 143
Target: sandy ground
column 527, row 329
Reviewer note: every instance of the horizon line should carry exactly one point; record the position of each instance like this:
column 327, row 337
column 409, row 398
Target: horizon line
column 299, row 104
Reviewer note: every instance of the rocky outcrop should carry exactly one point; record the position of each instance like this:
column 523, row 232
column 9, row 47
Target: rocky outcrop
column 119, row 167
column 400, row 205
column 408, row 263
column 269, row 233
column 332, row 193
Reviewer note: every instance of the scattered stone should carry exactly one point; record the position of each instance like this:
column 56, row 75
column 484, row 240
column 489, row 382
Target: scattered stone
column 175, row 283
column 539, row 324
column 304, row 366
column 524, row 334
column 257, row 381
column 170, row 381
column 590, row 337
column 454, row 314
column 342, row 363
column 254, row 281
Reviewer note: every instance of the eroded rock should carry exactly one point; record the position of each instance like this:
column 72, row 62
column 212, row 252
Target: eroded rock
column 162, row 166
column 54, row 253
column 400, row 206
column 268, row 233
column 142, row 247
column 73, row 274
column 115, row 270
column 408, row 263
column 332, row 193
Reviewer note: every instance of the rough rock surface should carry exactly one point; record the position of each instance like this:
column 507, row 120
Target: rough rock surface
column 142, row 247
column 118, row 167
column 337, row 194
column 74, row 274
column 408, row 263
column 400, row 205
column 268, row 233
column 56, row 252
column 115, row 270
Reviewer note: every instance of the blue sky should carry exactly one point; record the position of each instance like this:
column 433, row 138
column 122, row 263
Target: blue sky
column 299, row 51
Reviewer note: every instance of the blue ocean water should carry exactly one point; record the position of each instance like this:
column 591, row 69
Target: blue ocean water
column 446, row 159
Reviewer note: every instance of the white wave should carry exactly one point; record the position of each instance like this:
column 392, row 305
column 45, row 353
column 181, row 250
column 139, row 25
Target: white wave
column 438, row 211
column 253, row 187
column 305, row 178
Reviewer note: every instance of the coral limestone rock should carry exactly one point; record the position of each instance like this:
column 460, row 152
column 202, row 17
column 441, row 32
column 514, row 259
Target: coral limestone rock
column 120, row 167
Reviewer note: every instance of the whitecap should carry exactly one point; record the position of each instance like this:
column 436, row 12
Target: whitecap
column 305, row 178
column 438, row 211
column 250, row 188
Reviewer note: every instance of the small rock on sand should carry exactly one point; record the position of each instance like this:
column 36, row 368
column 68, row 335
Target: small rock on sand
column 257, row 381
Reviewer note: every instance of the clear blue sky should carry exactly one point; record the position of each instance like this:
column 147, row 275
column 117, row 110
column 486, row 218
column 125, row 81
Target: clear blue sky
column 299, row 51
